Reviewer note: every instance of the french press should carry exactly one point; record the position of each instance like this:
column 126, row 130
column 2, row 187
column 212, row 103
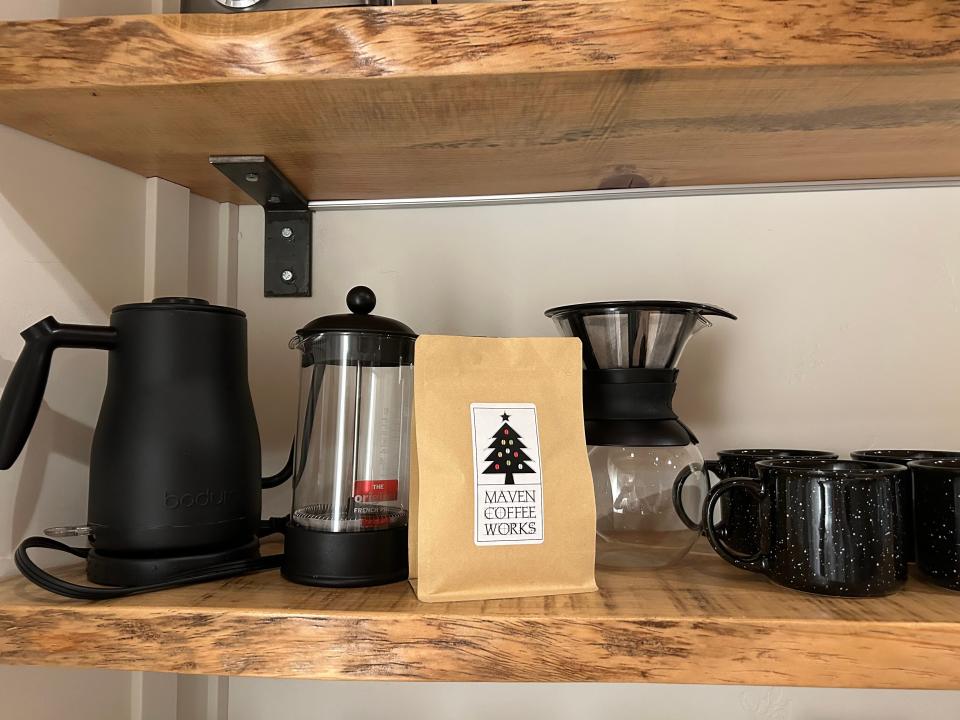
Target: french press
column 348, row 527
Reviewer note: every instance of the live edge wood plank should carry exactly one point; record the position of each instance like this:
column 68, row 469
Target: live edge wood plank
column 701, row 622
column 502, row 98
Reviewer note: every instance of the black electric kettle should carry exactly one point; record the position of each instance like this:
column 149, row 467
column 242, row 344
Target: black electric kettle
column 175, row 486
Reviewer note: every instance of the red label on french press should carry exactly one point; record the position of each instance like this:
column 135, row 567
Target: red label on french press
column 370, row 522
column 375, row 490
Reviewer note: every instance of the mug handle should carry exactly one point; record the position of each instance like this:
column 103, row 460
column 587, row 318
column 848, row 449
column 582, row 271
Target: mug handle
column 678, row 500
column 711, row 466
column 708, row 467
column 757, row 561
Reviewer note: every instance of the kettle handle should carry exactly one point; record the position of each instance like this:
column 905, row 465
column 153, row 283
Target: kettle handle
column 23, row 392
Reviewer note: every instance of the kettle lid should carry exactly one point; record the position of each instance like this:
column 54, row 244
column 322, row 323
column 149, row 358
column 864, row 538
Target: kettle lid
column 180, row 303
column 361, row 301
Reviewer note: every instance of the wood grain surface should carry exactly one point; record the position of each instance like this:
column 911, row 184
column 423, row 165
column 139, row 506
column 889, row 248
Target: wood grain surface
column 701, row 622
column 502, row 98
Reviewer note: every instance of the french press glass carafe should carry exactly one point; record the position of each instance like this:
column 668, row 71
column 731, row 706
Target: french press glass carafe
column 348, row 527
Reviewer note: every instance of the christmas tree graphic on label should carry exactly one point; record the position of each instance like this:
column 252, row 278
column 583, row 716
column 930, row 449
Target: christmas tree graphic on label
column 507, row 479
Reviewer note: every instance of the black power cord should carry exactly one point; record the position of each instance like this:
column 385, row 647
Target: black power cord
column 41, row 578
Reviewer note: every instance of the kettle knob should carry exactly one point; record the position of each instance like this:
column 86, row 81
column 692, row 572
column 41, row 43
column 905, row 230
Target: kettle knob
column 361, row 300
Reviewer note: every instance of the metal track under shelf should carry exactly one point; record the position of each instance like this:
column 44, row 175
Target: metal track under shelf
column 638, row 193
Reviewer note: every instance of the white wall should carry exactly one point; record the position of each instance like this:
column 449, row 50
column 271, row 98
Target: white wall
column 849, row 302
column 30, row 693
column 847, row 338
column 298, row 700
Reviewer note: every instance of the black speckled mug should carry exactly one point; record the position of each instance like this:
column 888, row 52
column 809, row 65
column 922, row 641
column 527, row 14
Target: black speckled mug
column 738, row 510
column 902, row 457
column 936, row 507
column 832, row 527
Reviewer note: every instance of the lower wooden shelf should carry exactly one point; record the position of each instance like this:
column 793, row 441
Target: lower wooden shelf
column 703, row 622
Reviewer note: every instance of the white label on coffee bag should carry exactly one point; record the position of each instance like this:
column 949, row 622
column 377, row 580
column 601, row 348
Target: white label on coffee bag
column 508, row 486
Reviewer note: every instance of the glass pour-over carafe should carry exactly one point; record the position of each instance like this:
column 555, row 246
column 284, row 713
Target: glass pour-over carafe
column 648, row 473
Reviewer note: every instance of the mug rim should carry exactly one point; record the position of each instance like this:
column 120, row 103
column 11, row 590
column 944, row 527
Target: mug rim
column 775, row 454
column 944, row 464
column 903, row 455
column 824, row 467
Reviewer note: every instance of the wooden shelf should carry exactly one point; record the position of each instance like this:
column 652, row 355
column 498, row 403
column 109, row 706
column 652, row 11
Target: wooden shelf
column 502, row 98
column 702, row 622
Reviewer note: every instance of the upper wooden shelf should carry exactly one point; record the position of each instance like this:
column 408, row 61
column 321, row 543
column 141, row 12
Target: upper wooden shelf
column 477, row 99
column 702, row 622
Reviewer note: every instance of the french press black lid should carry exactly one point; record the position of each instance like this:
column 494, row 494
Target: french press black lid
column 361, row 301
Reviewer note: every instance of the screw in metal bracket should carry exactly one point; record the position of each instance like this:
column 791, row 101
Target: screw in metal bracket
column 287, row 233
column 287, row 276
column 252, row 177
column 273, row 199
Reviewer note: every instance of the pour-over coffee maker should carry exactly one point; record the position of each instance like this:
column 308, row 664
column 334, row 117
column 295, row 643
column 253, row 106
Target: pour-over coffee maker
column 648, row 472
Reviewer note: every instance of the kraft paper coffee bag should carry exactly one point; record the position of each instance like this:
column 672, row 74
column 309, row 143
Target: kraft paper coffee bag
column 501, row 497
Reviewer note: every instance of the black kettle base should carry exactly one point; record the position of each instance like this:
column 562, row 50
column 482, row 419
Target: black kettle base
column 127, row 571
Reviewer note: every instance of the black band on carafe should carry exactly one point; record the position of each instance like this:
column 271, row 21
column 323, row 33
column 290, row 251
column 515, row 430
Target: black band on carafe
column 634, row 394
column 632, row 407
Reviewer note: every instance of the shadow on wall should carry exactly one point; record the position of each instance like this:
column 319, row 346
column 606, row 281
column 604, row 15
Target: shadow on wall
column 53, row 433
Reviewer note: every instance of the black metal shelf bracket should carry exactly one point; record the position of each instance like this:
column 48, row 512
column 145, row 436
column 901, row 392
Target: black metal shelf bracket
column 288, row 241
